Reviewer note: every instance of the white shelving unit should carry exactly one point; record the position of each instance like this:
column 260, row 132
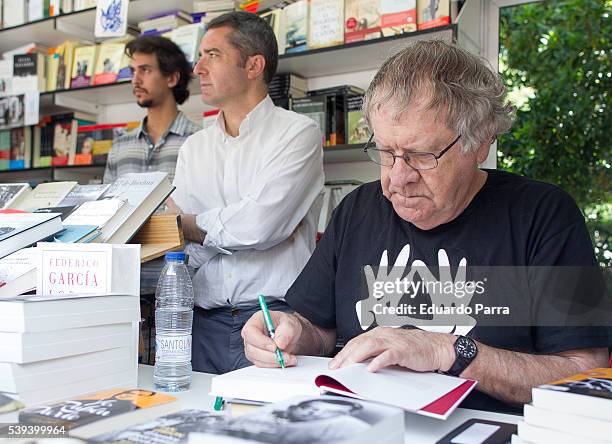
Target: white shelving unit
column 353, row 63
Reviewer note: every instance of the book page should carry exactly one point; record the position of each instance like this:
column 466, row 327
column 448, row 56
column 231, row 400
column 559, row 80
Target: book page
column 395, row 385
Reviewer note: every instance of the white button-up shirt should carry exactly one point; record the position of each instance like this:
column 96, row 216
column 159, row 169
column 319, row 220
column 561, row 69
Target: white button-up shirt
column 258, row 197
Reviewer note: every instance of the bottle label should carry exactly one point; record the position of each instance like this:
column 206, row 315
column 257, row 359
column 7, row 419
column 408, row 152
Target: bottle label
column 173, row 348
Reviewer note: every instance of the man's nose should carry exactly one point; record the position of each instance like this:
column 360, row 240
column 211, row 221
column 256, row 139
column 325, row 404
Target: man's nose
column 401, row 173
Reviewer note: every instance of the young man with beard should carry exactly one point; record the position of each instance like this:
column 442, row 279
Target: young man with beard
column 160, row 81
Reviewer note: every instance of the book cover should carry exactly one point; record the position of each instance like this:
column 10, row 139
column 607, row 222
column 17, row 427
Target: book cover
column 88, row 268
column 589, row 393
column 106, row 405
column 362, row 20
column 21, row 148
column 311, row 419
column 82, row 66
column 18, row 230
column 357, row 128
column 397, row 16
column 11, row 193
column 296, row 26
column 314, row 107
column 5, row 149
column 169, row 429
column 83, row 193
column 17, row 265
column 188, row 39
column 29, row 73
column 325, row 23
column 432, row 13
column 76, row 233
column 64, row 141
column 596, row 383
column 46, row 195
column 108, row 64
column 276, row 20
column 53, row 62
column 63, row 211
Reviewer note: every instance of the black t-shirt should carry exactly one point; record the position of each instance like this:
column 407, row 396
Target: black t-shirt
column 512, row 221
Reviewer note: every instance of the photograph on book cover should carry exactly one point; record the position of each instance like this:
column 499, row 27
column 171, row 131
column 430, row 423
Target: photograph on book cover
column 307, row 420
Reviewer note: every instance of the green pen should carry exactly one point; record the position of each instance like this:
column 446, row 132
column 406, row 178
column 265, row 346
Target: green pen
column 270, row 327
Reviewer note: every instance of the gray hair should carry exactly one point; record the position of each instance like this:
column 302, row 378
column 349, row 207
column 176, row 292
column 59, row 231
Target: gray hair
column 452, row 81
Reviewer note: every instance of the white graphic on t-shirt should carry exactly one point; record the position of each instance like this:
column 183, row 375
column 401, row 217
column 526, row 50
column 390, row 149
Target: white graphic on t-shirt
column 459, row 324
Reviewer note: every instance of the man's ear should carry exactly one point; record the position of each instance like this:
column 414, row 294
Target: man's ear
column 483, row 150
column 255, row 66
column 173, row 79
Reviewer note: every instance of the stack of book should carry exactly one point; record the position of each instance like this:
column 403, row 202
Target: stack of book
column 206, row 10
column 329, row 108
column 167, row 21
column 570, row 410
column 285, row 87
column 56, row 347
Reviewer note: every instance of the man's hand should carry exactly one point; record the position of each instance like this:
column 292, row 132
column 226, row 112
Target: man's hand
column 172, row 207
column 260, row 349
column 415, row 349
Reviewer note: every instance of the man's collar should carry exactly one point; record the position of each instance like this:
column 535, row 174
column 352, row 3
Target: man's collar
column 252, row 119
column 178, row 126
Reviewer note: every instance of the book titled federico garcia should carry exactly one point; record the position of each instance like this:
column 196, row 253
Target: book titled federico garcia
column 101, row 412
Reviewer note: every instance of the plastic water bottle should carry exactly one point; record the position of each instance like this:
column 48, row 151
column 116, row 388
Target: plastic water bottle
column 173, row 320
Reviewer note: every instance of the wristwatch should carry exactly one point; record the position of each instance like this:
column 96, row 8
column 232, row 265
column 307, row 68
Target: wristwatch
column 465, row 351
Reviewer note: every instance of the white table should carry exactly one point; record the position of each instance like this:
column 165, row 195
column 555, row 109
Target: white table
column 419, row 429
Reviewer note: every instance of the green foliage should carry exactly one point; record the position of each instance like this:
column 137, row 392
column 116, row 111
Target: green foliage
column 556, row 59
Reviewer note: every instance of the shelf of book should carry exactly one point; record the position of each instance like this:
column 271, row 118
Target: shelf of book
column 333, row 154
column 81, row 173
column 52, row 31
column 357, row 56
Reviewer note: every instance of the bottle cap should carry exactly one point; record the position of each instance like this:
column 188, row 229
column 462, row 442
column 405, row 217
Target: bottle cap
column 175, row 256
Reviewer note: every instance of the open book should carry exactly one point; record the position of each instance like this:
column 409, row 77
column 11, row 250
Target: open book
column 429, row 394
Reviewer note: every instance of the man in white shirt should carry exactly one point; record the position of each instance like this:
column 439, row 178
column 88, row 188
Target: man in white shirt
column 248, row 188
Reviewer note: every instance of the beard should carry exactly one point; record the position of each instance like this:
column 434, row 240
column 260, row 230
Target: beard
column 147, row 103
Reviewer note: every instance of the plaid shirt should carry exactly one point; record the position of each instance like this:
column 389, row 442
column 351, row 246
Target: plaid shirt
column 136, row 153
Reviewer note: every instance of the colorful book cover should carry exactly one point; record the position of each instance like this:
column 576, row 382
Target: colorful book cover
column 325, row 23
column 20, row 145
column 432, row 13
column 188, row 39
column 397, row 16
column 82, row 66
column 109, row 61
column 596, row 383
column 357, row 128
column 91, row 408
column 296, row 26
column 64, row 135
column 5, row 149
column 362, row 20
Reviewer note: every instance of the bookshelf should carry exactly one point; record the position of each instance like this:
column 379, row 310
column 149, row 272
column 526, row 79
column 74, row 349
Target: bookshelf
column 336, row 64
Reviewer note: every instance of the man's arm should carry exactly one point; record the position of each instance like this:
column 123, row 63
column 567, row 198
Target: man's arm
column 506, row 375
column 190, row 229
column 287, row 186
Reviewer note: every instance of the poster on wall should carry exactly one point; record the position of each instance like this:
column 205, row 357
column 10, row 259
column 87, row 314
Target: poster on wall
column 111, row 18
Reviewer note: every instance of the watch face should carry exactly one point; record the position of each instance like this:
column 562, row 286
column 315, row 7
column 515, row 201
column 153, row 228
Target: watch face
column 466, row 347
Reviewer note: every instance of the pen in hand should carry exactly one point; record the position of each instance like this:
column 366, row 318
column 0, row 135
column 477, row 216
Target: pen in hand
column 270, row 327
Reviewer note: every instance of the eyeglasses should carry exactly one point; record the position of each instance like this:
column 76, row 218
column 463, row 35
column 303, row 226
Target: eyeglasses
column 415, row 160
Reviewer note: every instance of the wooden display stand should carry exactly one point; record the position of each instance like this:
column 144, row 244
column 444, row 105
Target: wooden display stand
column 161, row 233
